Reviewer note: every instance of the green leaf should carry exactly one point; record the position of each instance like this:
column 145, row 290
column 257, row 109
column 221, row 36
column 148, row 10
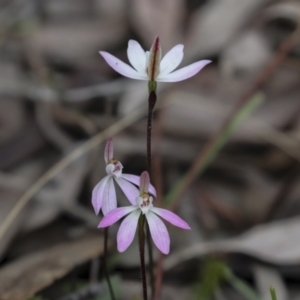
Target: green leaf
column 242, row 287
column 212, row 275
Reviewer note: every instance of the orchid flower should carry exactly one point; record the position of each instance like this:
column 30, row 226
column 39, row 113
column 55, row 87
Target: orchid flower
column 149, row 65
column 143, row 206
column 104, row 193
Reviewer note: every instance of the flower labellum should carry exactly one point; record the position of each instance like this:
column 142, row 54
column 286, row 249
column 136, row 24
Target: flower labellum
column 143, row 206
column 149, row 65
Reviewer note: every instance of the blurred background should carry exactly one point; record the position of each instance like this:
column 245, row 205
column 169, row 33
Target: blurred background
column 57, row 93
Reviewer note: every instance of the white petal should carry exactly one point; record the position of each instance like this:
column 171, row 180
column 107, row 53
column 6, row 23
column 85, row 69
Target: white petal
column 98, row 194
column 121, row 67
column 127, row 230
column 159, row 232
column 110, row 198
column 131, row 192
column 137, row 56
column 184, row 73
column 171, row 60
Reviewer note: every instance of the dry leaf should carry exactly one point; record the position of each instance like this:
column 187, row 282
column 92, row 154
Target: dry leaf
column 26, row 276
column 214, row 25
column 276, row 242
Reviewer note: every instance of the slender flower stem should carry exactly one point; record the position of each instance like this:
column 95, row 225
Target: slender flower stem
column 111, row 292
column 151, row 105
column 141, row 233
column 151, row 263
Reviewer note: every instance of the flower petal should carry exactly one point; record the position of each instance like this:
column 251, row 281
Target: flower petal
column 98, row 194
column 130, row 191
column 136, row 180
column 115, row 215
column 110, row 198
column 171, row 60
column 127, row 230
column 121, row 67
column 183, row 73
column 159, row 232
column 137, row 56
column 171, row 217
column 109, row 150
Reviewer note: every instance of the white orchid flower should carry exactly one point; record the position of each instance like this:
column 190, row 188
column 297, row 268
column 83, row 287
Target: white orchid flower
column 149, row 65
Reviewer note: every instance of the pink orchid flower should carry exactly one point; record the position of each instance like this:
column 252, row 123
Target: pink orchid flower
column 143, row 205
column 104, row 193
column 149, row 65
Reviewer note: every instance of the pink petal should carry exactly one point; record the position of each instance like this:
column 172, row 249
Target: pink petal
column 171, row 217
column 109, row 150
column 144, row 182
column 110, row 198
column 159, row 232
column 98, row 194
column 121, row 67
column 171, row 60
column 115, row 215
column 137, row 56
column 136, row 180
column 183, row 73
column 130, row 191
column 127, row 230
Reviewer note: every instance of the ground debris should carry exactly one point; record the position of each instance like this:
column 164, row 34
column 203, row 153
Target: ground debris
column 26, row 276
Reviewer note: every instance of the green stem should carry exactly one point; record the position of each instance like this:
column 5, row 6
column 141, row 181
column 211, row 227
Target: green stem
column 141, row 234
column 273, row 292
column 111, row 292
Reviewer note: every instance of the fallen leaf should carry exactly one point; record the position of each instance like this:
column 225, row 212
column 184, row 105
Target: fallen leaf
column 26, row 276
column 277, row 242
